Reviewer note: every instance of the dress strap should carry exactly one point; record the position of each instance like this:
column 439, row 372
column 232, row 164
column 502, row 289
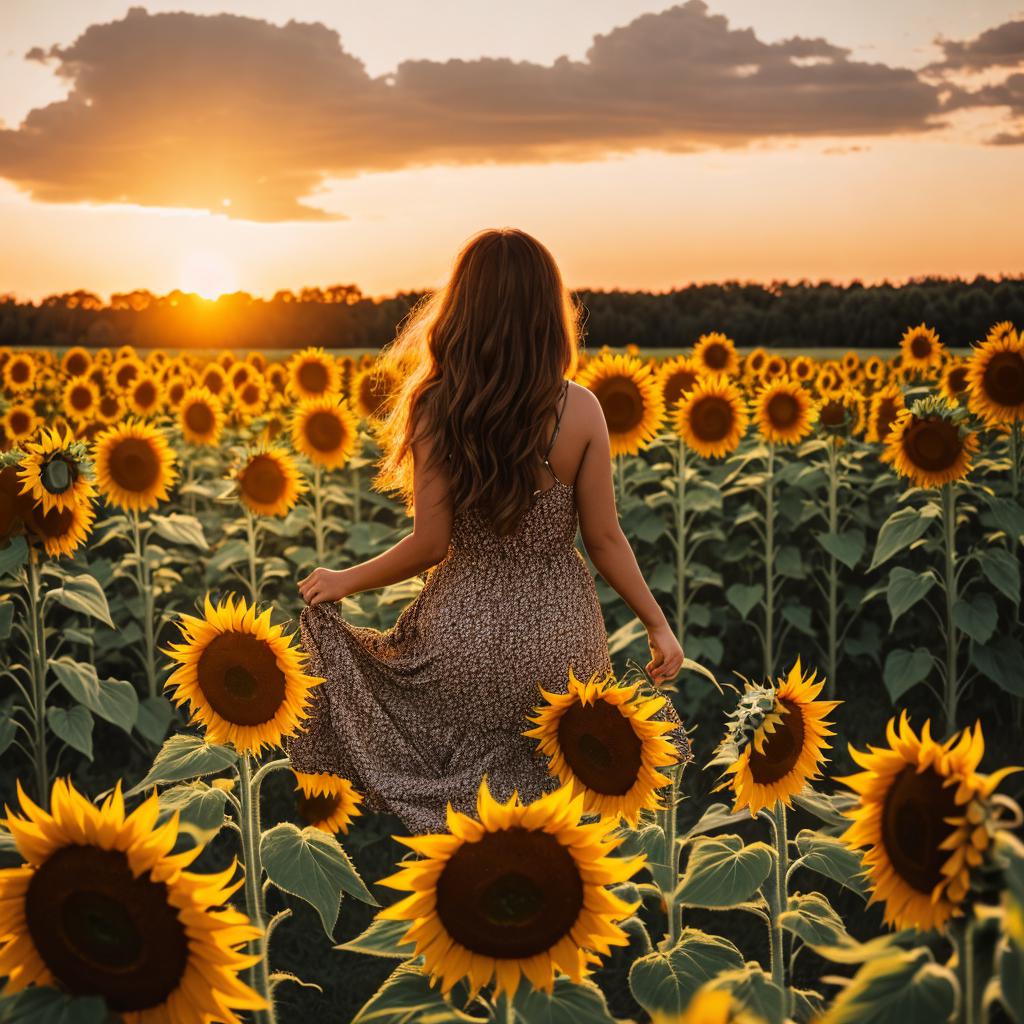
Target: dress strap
column 558, row 419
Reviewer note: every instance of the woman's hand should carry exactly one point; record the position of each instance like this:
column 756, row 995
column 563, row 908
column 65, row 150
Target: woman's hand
column 666, row 654
column 323, row 585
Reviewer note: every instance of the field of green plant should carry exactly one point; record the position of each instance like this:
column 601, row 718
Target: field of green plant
column 837, row 538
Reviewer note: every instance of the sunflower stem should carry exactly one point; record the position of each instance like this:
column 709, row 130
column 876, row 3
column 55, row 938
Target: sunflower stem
column 780, row 901
column 833, row 569
column 672, row 909
column 252, row 544
column 145, row 585
column 949, row 546
column 620, row 479
column 356, row 511
column 1015, row 460
column 38, row 666
column 769, row 561
column 190, row 478
column 681, row 543
column 962, row 934
column 318, row 514
column 504, row 1009
column 249, row 826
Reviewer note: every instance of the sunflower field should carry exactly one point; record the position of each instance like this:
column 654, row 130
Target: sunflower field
column 838, row 542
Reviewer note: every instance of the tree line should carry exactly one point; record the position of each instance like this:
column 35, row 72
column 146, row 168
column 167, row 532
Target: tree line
column 785, row 314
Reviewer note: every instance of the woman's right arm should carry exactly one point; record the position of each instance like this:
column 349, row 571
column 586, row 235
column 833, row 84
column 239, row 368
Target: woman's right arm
column 610, row 550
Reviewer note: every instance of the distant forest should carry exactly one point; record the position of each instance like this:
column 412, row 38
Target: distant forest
column 783, row 314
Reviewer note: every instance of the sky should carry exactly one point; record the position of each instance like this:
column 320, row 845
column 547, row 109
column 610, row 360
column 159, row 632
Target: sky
column 216, row 145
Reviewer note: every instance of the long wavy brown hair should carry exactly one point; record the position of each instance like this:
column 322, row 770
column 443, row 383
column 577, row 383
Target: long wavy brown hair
column 481, row 363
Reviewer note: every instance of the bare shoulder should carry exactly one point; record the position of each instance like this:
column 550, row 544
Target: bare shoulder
column 586, row 408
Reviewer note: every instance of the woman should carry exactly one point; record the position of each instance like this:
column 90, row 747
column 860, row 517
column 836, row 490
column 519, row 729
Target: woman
column 499, row 457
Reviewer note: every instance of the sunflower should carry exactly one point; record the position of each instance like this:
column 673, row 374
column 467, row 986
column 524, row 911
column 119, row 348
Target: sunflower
column 774, row 367
column 144, row 395
column 712, row 418
column 200, row 416
column 600, row 739
column 76, row 362
column 312, row 373
column 79, row 398
column 134, row 466
column 630, row 399
column 277, row 379
column 518, row 892
column 676, row 377
column 110, row 408
column 54, row 471
column 373, row 389
column 926, row 819
column 251, row 396
column 841, row 414
column 995, row 379
column 753, row 364
column 953, row 384
column 784, row 411
column 19, row 373
column 328, row 802
column 61, row 530
column 100, row 906
column 828, row 380
column 325, row 430
column 921, row 349
column 715, row 353
column 775, row 741
column 125, row 369
column 20, row 421
column 175, row 388
column 15, row 506
column 886, row 405
column 214, row 379
column 874, row 368
column 269, row 482
column 240, row 675
column 802, row 369
column 930, row 443
column 709, row 1005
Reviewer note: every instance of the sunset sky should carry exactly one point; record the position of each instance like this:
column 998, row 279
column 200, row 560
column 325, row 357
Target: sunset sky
column 216, row 146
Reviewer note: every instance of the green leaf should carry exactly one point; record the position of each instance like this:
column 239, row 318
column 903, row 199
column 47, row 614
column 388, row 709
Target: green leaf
column 715, row 817
column 744, row 597
column 8, row 728
column 49, row 1006
column 312, row 865
column 113, row 700
column 74, row 726
column 899, row 986
column 13, row 555
column 723, row 872
column 200, row 810
column 753, row 989
column 625, row 635
column 976, row 616
column 567, row 1003
column 180, row 529
column 832, row 858
column 184, row 756
column 1009, row 517
column 1002, row 570
column 799, row 615
column 847, row 547
column 382, row 938
column 6, row 617
column 1010, row 966
column 155, row 715
column 226, row 555
column 789, row 563
column 83, row 594
column 407, row 997
column 900, row 530
column 812, row 919
column 1000, row 661
column 665, row 982
column 905, row 669
column 905, row 589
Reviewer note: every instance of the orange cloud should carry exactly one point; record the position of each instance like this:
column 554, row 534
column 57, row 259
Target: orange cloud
column 242, row 117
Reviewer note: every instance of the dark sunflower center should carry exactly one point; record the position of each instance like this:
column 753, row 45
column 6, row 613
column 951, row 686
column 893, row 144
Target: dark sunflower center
column 81, row 398
column 250, row 394
column 20, row 421
column 833, row 413
column 199, row 418
column 913, row 828
column 711, row 418
column 134, row 465
column 885, row 417
column 623, row 404
column 240, row 678
column 102, row 931
column 58, row 474
column 512, row 894
column 957, row 379
column 76, row 364
column 716, row 356
column 109, row 406
column 11, row 501
column 315, row 809
column 677, row 385
column 921, row 347
column 325, row 431
column 783, row 409
column 54, row 523
column 262, row 480
column 601, row 747
column 932, row 444
column 782, row 748
column 757, row 361
column 313, row 376
column 145, row 394
column 214, row 383
column 20, row 371
column 126, row 374
column 1003, row 379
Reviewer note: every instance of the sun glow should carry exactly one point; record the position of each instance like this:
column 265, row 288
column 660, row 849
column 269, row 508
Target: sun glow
column 207, row 273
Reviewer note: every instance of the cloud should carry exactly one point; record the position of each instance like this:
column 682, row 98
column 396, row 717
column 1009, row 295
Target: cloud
column 1002, row 46
column 243, row 117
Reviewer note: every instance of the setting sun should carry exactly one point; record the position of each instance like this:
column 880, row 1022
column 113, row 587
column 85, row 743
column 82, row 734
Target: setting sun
column 208, row 273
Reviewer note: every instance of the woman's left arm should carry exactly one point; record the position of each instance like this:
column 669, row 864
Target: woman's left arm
column 425, row 546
